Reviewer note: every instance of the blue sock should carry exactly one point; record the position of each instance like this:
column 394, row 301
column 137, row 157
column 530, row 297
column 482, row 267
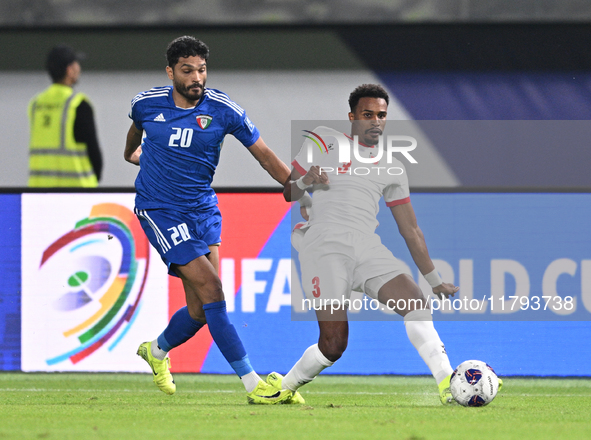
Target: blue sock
column 225, row 336
column 180, row 329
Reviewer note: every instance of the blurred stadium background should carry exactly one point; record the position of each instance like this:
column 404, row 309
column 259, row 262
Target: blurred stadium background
column 283, row 60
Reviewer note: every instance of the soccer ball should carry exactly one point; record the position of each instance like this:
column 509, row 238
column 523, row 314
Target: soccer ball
column 474, row 383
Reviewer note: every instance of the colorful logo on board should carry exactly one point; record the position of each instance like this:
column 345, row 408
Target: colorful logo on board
column 104, row 262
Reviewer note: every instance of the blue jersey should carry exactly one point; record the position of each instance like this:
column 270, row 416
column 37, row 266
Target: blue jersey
column 181, row 149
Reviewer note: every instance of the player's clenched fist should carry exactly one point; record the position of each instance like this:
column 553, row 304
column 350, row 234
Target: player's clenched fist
column 315, row 176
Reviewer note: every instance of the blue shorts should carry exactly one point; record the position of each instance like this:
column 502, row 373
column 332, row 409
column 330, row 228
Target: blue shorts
column 180, row 237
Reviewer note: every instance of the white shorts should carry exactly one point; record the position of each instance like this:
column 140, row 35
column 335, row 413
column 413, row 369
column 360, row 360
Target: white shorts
column 335, row 260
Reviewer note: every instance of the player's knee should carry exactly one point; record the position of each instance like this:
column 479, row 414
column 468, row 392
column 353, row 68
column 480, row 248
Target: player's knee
column 333, row 349
column 412, row 304
column 209, row 289
column 213, row 294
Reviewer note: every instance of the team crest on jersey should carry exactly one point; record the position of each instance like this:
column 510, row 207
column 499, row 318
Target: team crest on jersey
column 203, row 121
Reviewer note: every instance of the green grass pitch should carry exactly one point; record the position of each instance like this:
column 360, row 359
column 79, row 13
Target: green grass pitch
column 128, row 406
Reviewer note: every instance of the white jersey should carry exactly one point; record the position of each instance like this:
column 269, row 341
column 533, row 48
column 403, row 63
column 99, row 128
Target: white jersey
column 351, row 198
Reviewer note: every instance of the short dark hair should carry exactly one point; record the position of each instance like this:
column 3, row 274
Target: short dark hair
column 184, row 47
column 58, row 60
column 367, row 91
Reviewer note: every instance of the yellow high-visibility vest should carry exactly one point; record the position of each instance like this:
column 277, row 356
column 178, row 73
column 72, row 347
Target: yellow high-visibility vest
column 55, row 158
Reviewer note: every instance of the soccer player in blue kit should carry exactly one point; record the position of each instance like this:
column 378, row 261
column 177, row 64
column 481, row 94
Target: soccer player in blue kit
column 185, row 125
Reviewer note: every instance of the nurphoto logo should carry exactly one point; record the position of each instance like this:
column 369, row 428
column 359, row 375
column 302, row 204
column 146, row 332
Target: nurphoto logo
column 392, row 146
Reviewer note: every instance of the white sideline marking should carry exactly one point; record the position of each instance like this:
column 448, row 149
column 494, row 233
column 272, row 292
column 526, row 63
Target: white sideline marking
column 46, row 390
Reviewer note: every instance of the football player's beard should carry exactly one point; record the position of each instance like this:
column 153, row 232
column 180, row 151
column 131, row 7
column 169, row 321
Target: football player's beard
column 187, row 91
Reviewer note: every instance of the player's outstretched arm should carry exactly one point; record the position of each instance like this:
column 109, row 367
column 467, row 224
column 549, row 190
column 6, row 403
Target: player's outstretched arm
column 296, row 186
column 406, row 220
column 269, row 161
column 133, row 148
column 291, row 193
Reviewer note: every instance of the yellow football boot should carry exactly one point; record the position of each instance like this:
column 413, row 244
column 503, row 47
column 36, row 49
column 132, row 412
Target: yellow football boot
column 160, row 369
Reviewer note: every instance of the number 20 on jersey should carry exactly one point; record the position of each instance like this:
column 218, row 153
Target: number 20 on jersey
column 181, row 137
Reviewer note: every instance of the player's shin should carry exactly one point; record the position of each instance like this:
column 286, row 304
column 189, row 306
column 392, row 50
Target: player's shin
column 424, row 337
column 226, row 338
column 306, row 369
column 180, row 329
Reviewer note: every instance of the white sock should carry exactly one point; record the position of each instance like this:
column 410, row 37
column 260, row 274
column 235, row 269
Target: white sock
column 306, row 369
column 424, row 337
column 157, row 352
column 250, row 381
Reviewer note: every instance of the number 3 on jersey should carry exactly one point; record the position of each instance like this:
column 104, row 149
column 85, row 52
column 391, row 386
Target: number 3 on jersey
column 181, row 137
column 316, row 289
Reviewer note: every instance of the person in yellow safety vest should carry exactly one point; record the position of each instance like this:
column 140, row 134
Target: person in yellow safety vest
column 63, row 150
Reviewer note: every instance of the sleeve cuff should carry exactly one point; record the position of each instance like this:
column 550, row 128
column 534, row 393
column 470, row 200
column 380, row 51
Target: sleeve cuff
column 398, row 202
column 298, row 167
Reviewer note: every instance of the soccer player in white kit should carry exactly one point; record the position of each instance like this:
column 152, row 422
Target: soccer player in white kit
column 340, row 252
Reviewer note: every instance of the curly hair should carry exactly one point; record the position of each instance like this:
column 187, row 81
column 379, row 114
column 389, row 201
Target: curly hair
column 367, row 91
column 184, row 47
